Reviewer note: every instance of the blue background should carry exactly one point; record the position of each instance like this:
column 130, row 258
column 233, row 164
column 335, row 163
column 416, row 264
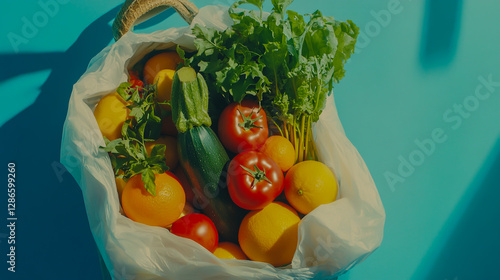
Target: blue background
column 415, row 62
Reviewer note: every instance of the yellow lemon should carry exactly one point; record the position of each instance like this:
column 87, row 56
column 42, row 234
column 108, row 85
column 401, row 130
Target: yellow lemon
column 166, row 60
column 110, row 113
column 120, row 185
column 164, row 80
column 309, row 184
column 270, row 234
column 228, row 250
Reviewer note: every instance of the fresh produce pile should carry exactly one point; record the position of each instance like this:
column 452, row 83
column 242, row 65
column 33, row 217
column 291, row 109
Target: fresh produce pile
column 217, row 145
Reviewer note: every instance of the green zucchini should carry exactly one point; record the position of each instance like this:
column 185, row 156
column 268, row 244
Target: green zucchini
column 202, row 156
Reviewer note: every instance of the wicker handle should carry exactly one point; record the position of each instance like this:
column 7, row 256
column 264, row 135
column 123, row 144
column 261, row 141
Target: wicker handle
column 136, row 11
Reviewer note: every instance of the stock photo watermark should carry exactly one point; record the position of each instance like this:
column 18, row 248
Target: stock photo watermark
column 322, row 252
column 381, row 19
column 454, row 117
column 11, row 219
column 31, row 25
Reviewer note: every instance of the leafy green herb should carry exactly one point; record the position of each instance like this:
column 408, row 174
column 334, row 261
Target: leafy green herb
column 289, row 64
column 128, row 154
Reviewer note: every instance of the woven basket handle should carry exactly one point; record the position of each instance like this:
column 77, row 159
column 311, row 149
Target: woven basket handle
column 136, row 11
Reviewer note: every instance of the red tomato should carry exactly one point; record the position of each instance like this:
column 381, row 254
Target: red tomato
column 243, row 127
column 199, row 228
column 134, row 79
column 254, row 180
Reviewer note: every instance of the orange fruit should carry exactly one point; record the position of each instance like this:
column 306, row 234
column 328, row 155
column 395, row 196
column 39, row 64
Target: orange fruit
column 228, row 250
column 160, row 210
column 270, row 234
column 164, row 80
column 281, row 150
column 308, row 184
column 110, row 113
column 171, row 154
column 165, row 60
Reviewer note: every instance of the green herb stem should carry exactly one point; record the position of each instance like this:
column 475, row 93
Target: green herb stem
column 286, row 60
column 308, row 132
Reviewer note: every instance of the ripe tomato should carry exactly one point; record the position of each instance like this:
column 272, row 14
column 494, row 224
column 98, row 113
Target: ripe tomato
column 134, row 79
column 254, row 180
column 199, row 228
column 243, row 127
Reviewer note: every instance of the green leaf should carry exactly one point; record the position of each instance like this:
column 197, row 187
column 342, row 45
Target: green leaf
column 123, row 89
column 347, row 34
column 182, row 55
column 290, row 63
column 152, row 129
column 281, row 5
column 148, row 177
column 120, row 162
column 158, row 150
column 137, row 112
column 257, row 3
column 136, row 97
column 137, row 167
column 111, row 146
column 160, row 168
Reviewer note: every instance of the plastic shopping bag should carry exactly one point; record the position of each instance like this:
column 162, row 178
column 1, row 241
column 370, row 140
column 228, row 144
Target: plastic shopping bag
column 332, row 239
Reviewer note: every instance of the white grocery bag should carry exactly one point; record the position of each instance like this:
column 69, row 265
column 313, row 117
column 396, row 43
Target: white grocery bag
column 332, row 238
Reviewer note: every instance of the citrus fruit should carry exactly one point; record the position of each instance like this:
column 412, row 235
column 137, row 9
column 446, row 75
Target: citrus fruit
column 270, row 234
column 163, row 80
column 229, row 250
column 171, row 154
column 281, row 150
column 160, row 210
column 309, row 184
column 110, row 113
column 165, row 60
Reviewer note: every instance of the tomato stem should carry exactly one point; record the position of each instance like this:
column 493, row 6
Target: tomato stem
column 248, row 123
column 257, row 174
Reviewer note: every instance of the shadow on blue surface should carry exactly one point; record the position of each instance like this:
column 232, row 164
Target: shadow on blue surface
column 50, row 207
column 472, row 250
column 92, row 40
column 441, row 28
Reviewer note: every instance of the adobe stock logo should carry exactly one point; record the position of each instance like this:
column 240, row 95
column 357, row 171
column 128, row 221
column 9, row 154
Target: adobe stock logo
column 31, row 25
column 455, row 116
column 381, row 19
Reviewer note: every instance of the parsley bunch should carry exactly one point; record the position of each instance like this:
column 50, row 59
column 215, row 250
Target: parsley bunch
column 128, row 154
column 289, row 64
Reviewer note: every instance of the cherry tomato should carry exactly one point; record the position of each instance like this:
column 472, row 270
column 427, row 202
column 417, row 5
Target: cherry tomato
column 254, row 180
column 134, row 79
column 243, row 127
column 199, row 228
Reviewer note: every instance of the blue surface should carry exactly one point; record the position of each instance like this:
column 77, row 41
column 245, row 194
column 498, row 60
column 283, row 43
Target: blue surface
column 416, row 62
